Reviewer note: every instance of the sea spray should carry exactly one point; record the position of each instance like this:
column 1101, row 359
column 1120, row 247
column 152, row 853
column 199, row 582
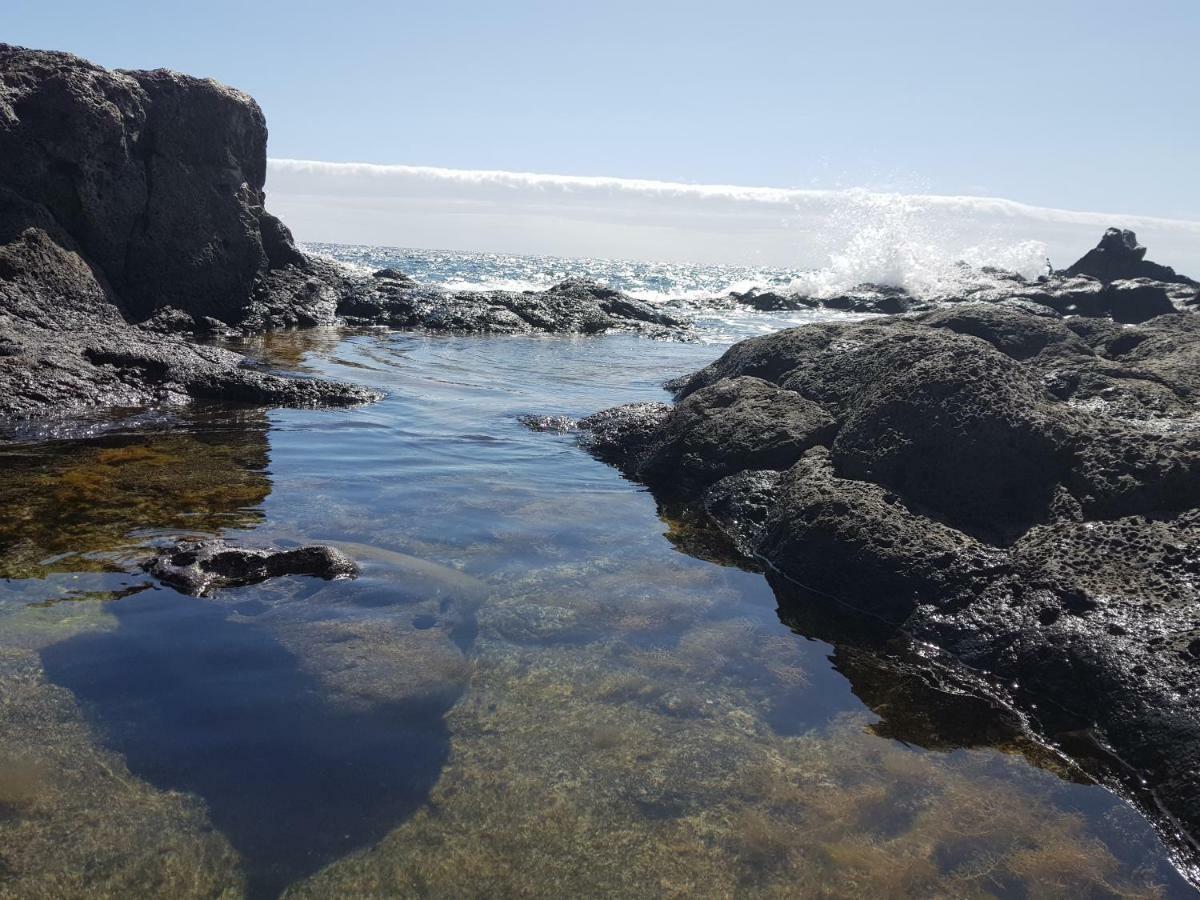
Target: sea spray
column 899, row 240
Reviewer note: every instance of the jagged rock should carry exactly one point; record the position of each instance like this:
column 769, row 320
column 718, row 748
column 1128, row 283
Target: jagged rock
column 1119, row 257
column 735, row 424
column 622, row 435
column 873, row 298
column 393, row 275
column 198, row 567
column 548, row 424
column 773, row 301
column 137, row 197
column 155, row 178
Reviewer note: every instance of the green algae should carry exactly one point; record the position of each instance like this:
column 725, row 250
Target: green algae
column 597, row 755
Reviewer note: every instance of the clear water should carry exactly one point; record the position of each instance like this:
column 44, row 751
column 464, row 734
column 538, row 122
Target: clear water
column 542, row 685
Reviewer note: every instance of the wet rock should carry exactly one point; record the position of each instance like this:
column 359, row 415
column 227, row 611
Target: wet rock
column 393, row 275
column 624, row 434
column 741, row 505
column 197, row 567
column 1119, row 256
column 873, row 298
column 737, row 424
column 548, row 424
column 773, row 301
column 1018, row 489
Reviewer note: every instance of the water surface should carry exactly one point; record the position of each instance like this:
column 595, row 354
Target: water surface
column 542, row 685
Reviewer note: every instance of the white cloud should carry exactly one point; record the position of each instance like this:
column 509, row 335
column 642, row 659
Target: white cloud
column 520, row 212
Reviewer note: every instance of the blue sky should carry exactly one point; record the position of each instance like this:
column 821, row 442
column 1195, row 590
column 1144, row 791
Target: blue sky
column 1082, row 105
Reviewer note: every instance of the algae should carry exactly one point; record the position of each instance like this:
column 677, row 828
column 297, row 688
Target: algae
column 88, row 506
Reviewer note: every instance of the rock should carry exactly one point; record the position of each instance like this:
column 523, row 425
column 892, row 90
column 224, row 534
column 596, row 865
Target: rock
column 571, row 307
column 155, row 178
column 393, row 275
column 198, row 567
column 734, row 425
column 1118, row 257
column 66, row 349
column 623, row 435
column 852, row 538
column 1136, row 300
column 137, row 197
column 1016, row 490
column 548, row 424
column 873, row 298
column 741, row 505
column 773, row 301
column 1010, row 329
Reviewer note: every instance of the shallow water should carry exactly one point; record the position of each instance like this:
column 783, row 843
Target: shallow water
column 542, row 685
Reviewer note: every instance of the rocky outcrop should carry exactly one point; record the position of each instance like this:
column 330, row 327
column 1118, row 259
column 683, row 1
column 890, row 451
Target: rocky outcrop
column 1119, row 257
column 198, row 567
column 65, row 349
column 575, row 306
column 154, row 178
column 1112, row 281
column 1016, row 488
column 136, row 198
column 129, row 197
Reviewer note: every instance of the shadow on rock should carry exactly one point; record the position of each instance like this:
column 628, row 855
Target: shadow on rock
column 199, row 704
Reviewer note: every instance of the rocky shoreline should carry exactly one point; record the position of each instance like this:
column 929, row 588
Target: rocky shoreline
column 1009, row 475
column 1013, row 486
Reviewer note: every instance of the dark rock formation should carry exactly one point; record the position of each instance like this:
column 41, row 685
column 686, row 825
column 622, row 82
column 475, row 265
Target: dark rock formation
column 571, row 307
column 198, row 567
column 64, row 348
column 155, row 178
column 1119, row 257
column 137, row 196
column 1018, row 489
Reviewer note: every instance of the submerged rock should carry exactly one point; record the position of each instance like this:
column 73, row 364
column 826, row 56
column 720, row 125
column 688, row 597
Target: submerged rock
column 197, row 567
column 1018, row 489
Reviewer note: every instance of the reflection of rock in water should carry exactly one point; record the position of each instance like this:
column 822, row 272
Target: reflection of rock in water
column 91, row 497
column 920, row 701
column 198, row 703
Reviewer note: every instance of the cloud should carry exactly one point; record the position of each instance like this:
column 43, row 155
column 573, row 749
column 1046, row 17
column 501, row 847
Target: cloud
column 565, row 215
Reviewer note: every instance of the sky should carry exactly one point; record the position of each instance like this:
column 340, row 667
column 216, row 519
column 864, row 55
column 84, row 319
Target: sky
column 1084, row 106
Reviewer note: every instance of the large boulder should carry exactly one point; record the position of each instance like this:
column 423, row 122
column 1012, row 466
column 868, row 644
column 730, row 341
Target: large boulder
column 138, row 196
column 155, row 177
